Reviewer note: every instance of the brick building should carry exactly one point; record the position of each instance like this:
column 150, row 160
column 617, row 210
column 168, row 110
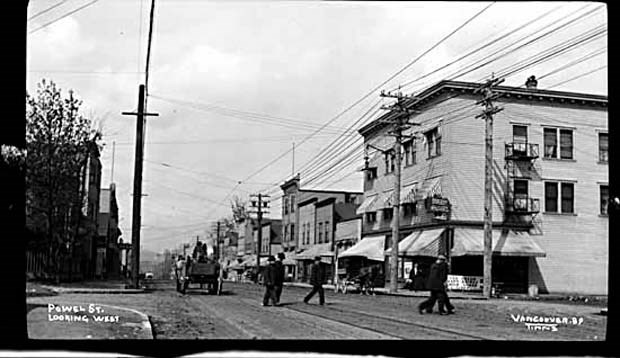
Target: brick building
column 550, row 186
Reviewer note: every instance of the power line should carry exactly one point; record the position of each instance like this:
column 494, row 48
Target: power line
column 62, row 17
column 46, row 10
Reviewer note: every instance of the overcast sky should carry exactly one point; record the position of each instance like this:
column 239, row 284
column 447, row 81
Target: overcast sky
column 301, row 61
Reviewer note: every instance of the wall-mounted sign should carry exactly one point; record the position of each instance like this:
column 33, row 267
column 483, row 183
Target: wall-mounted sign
column 464, row 283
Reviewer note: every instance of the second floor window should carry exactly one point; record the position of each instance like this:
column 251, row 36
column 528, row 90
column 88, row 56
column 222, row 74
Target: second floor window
column 292, row 232
column 371, row 217
column 562, row 192
column 389, row 162
column 433, row 143
column 327, row 231
column 285, row 205
column 303, row 234
column 604, row 199
column 410, row 152
column 603, row 147
column 307, row 233
column 285, row 232
column 388, row 214
column 320, row 233
column 409, row 209
column 292, row 203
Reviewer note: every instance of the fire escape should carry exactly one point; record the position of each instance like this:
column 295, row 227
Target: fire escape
column 520, row 157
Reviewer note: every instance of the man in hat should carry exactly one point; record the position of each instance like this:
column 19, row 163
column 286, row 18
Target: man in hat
column 270, row 282
column 279, row 275
column 317, row 276
column 437, row 278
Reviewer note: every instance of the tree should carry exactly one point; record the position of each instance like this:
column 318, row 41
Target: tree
column 239, row 210
column 58, row 142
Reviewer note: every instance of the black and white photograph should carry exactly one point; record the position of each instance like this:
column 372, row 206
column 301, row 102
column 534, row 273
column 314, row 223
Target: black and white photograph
column 309, row 170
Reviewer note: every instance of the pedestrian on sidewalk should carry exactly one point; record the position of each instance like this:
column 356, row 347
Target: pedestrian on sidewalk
column 270, row 282
column 279, row 275
column 437, row 284
column 317, row 277
column 179, row 272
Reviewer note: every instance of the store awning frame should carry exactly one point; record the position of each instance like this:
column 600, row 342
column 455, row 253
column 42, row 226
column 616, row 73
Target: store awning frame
column 421, row 243
column 367, row 204
column 370, row 247
column 321, row 250
column 470, row 242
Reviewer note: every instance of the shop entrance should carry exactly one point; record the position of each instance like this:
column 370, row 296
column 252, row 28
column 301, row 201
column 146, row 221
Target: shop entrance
column 510, row 272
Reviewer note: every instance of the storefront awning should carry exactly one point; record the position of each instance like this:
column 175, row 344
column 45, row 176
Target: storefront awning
column 420, row 243
column 430, row 187
column 505, row 243
column 322, row 250
column 388, row 199
column 288, row 259
column 367, row 205
column 370, row 247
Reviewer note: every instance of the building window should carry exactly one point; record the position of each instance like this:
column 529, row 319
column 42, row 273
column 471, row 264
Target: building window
column 320, row 232
column 307, row 233
column 566, row 144
column 371, row 174
column 371, row 217
column 285, row 205
column 292, row 203
column 285, row 232
column 551, row 197
column 568, row 197
column 327, row 231
column 389, row 162
column 292, row 232
column 410, row 209
column 604, row 199
column 551, row 143
column 519, row 139
column 303, row 234
column 433, row 140
column 410, row 152
column 520, row 194
column 603, row 147
column 388, row 214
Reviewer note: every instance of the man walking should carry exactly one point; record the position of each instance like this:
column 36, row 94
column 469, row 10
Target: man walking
column 279, row 276
column 317, row 276
column 270, row 282
column 437, row 284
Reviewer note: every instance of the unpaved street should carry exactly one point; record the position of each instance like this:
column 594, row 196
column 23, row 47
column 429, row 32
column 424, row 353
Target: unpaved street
column 238, row 314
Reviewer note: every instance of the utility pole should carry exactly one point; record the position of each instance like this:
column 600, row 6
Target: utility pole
column 137, row 184
column 399, row 123
column 217, row 240
column 261, row 206
column 293, row 165
column 112, row 169
column 487, row 114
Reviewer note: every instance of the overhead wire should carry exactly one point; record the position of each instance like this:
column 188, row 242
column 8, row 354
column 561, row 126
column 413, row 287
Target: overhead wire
column 62, row 17
column 47, row 10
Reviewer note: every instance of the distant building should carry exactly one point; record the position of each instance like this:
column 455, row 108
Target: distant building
column 108, row 262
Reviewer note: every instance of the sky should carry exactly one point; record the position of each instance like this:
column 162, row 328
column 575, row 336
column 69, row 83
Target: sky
column 237, row 83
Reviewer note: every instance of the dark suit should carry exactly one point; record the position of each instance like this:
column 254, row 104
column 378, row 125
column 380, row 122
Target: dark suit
column 269, row 278
column 436, row 283
column 317, row 277
column 279, row 281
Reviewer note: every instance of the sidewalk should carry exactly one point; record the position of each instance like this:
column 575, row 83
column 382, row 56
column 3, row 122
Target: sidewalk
column 101, row 287
column 77, row 322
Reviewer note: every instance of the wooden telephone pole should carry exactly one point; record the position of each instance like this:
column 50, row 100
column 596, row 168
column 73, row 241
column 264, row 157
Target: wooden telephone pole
column 261, row 206
column 487, row 114
column 400, row 123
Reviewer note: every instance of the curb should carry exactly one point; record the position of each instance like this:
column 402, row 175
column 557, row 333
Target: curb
column 59, row 290
column 146, row 322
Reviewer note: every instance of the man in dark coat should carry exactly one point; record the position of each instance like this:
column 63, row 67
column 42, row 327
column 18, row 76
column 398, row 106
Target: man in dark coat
column 270, row 282
column 279, row 276
column 317, row 277
column 437, row 278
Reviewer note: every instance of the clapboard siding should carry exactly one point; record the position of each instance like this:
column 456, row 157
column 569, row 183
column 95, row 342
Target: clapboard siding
column 576, row 245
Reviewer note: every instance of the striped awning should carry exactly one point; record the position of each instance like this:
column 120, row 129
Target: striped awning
column 408, row 193
column 368, row 204
column 420, row 243
column 505, row 243
column 388, row 199
column 430, row 187
column 321, row 250
column 370, row 247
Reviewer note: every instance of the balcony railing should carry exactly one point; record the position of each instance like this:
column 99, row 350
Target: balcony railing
column 521, row 151
column 523, row 205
